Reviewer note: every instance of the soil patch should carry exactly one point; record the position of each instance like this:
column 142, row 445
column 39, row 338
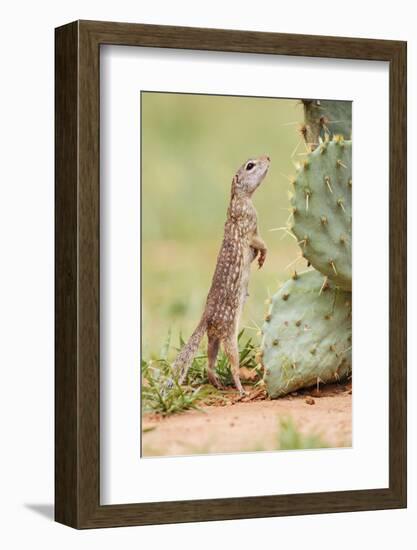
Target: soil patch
column 251, row 423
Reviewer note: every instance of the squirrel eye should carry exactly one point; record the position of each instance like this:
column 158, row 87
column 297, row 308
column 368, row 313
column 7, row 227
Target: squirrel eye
column 249, row 166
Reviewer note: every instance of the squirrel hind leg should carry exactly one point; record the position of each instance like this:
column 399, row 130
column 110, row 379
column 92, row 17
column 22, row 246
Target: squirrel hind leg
column 212, row 351
column 232, row 351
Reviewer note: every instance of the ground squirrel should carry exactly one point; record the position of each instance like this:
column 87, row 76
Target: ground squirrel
column 229, row 288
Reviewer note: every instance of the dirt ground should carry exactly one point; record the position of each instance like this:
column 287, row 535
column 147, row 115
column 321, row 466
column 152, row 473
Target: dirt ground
column 251, row 423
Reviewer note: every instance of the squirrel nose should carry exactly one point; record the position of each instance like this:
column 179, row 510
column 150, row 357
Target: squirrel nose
column 266, row 157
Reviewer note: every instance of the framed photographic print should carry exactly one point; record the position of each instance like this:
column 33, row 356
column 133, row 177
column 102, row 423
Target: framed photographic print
column 230, row 274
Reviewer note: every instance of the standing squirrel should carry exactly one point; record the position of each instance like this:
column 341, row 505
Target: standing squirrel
column 229, row 288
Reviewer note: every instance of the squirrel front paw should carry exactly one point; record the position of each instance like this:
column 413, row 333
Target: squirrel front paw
column 254, row 252
column 261, row 258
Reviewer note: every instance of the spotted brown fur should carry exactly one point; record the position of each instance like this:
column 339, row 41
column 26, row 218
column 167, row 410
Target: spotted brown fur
column 229, row 288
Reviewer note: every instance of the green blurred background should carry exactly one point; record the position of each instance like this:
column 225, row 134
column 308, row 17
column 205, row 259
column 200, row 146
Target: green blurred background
column 192, row 145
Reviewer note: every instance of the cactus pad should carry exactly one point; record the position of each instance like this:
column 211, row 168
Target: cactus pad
column 325, row 119
column 307, row 335
column 322, row 210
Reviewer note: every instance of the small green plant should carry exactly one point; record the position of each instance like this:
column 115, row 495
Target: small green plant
column 161, row 397
column 290, row 438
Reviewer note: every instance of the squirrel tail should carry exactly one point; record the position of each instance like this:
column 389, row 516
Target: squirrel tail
column 187, row 353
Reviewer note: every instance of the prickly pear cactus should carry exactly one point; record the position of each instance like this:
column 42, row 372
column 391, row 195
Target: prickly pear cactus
column 326, row 118
column 322, row 210
column 307, row 335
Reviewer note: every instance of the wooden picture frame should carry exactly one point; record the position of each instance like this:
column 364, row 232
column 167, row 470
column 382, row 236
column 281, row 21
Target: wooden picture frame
column 77, row 373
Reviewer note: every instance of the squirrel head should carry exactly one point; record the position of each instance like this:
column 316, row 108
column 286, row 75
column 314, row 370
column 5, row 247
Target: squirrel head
column 250, row 175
